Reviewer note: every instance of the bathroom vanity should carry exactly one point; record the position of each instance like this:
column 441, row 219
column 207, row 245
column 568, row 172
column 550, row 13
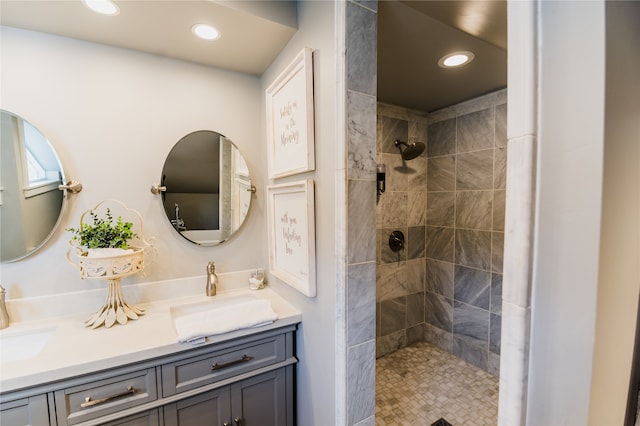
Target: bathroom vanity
column 139, row 375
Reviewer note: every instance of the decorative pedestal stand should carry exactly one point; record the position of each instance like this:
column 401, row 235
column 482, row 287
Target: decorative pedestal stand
column 111, row 267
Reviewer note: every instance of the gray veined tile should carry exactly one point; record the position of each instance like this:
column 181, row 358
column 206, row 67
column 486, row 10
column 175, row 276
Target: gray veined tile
column 361, row 49
column 474, row 170
column 471, row 323
column 495, row 333
column 441, row 208
column 415, row 242
column 390, row 130
column 418, row 132
column 440, row 277
column 440, row 243
column 361, row 381
column 473, row 209
column 416, row 272
column 391, row 211
column 415, row 309
column 393, row 315
column 441, row 338
column 499, row 204
column 417, row 173
column 361, row 134
column 475, row 131
column 442, row 138
column 473, row 248
column 471, row 352
column 441, row 173
column 438, row 311
column 361, row 284
column 497, row 252
column 496, row 294
column 472, row 286
column 390, row 343
column 417, row 213
column 391, row 281
column 361, row 236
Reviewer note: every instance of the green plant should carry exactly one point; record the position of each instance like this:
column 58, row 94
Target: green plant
column 104, row 233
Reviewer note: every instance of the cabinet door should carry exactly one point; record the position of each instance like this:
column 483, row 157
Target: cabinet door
column 209, row 408
column 261, row 400
column 33, row 410
column 148, row 418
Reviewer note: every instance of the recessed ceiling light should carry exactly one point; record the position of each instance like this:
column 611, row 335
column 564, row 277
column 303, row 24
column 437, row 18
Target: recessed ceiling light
column 105, row 7
column 456, row 59
column 206, row 32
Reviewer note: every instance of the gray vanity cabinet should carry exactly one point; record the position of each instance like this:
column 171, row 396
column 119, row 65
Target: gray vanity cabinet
column 247, row 381
column 33, row 410
column 258, row 401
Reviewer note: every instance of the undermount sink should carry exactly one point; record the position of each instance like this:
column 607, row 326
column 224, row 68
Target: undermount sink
column 23, row 345
column 216, row 302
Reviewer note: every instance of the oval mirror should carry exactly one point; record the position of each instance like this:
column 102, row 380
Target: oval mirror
column 31, row 204
column 206, row 188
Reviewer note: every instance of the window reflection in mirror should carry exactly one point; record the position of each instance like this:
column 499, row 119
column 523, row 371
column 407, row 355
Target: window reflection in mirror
column 207, row 183
column 30, row 202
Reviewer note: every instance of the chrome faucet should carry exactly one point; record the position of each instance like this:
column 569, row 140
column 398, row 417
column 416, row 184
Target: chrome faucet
column 4, row 315
column 212, row 279
column 177, row 222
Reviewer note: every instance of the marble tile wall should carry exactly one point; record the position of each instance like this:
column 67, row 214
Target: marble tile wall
column 401, row 276
column 466, row 182
column 361, row 83
column 449, row 203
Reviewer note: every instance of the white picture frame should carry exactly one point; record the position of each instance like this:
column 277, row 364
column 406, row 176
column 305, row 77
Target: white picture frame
column 290, row 119
column 291, row 234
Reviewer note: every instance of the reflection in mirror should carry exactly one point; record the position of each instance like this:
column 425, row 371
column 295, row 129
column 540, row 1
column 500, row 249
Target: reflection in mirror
column 31, row 204
column 206, row 188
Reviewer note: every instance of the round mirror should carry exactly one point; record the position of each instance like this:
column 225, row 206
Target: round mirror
column 206, row 188
column 31, row 204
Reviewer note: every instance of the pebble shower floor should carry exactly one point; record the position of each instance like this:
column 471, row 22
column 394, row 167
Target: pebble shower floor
column 420, row 384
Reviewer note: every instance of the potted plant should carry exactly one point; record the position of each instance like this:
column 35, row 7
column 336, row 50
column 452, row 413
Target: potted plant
column 104, row 237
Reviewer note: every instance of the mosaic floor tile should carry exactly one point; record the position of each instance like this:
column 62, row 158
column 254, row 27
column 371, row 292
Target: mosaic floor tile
column 420, row 384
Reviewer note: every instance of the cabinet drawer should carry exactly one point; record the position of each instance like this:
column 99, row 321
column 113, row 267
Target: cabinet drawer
column 99, row 398
column 218, row 365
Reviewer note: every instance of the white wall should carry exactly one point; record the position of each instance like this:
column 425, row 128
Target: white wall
column 568, row 210
column 113, row 115
column 316, row 336
column 619, row 274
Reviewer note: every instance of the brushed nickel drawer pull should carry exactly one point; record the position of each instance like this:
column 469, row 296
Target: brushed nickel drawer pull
column 88, row 402
column 216, row 366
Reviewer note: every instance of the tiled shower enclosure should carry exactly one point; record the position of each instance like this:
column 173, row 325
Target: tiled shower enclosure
column 445, row 286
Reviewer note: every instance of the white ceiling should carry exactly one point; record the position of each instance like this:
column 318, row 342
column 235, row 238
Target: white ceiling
column 253, row 32
column 412, row 36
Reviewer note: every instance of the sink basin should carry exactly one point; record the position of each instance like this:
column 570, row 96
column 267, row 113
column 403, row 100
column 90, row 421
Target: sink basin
column 23, row 345
column 216, row 302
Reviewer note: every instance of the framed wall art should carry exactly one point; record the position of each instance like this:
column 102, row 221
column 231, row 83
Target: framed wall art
column 291, row 229
column 290, row 119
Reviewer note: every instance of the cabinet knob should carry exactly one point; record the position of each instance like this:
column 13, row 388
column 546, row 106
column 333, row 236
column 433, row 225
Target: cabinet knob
column 225, row 424
column 237, row 420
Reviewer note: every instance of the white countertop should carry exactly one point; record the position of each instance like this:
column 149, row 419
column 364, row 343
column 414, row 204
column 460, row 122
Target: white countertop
column 73, row 349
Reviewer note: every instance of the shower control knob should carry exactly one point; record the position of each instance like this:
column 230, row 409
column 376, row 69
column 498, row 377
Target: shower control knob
column 396, row 241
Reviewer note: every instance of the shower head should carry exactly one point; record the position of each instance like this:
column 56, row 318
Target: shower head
column 411, row 151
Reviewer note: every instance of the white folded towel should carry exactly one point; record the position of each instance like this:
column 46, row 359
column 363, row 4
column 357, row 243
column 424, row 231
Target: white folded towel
column 224, row 319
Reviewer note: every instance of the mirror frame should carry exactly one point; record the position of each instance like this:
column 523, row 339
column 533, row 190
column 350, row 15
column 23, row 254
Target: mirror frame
column 237, row 176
